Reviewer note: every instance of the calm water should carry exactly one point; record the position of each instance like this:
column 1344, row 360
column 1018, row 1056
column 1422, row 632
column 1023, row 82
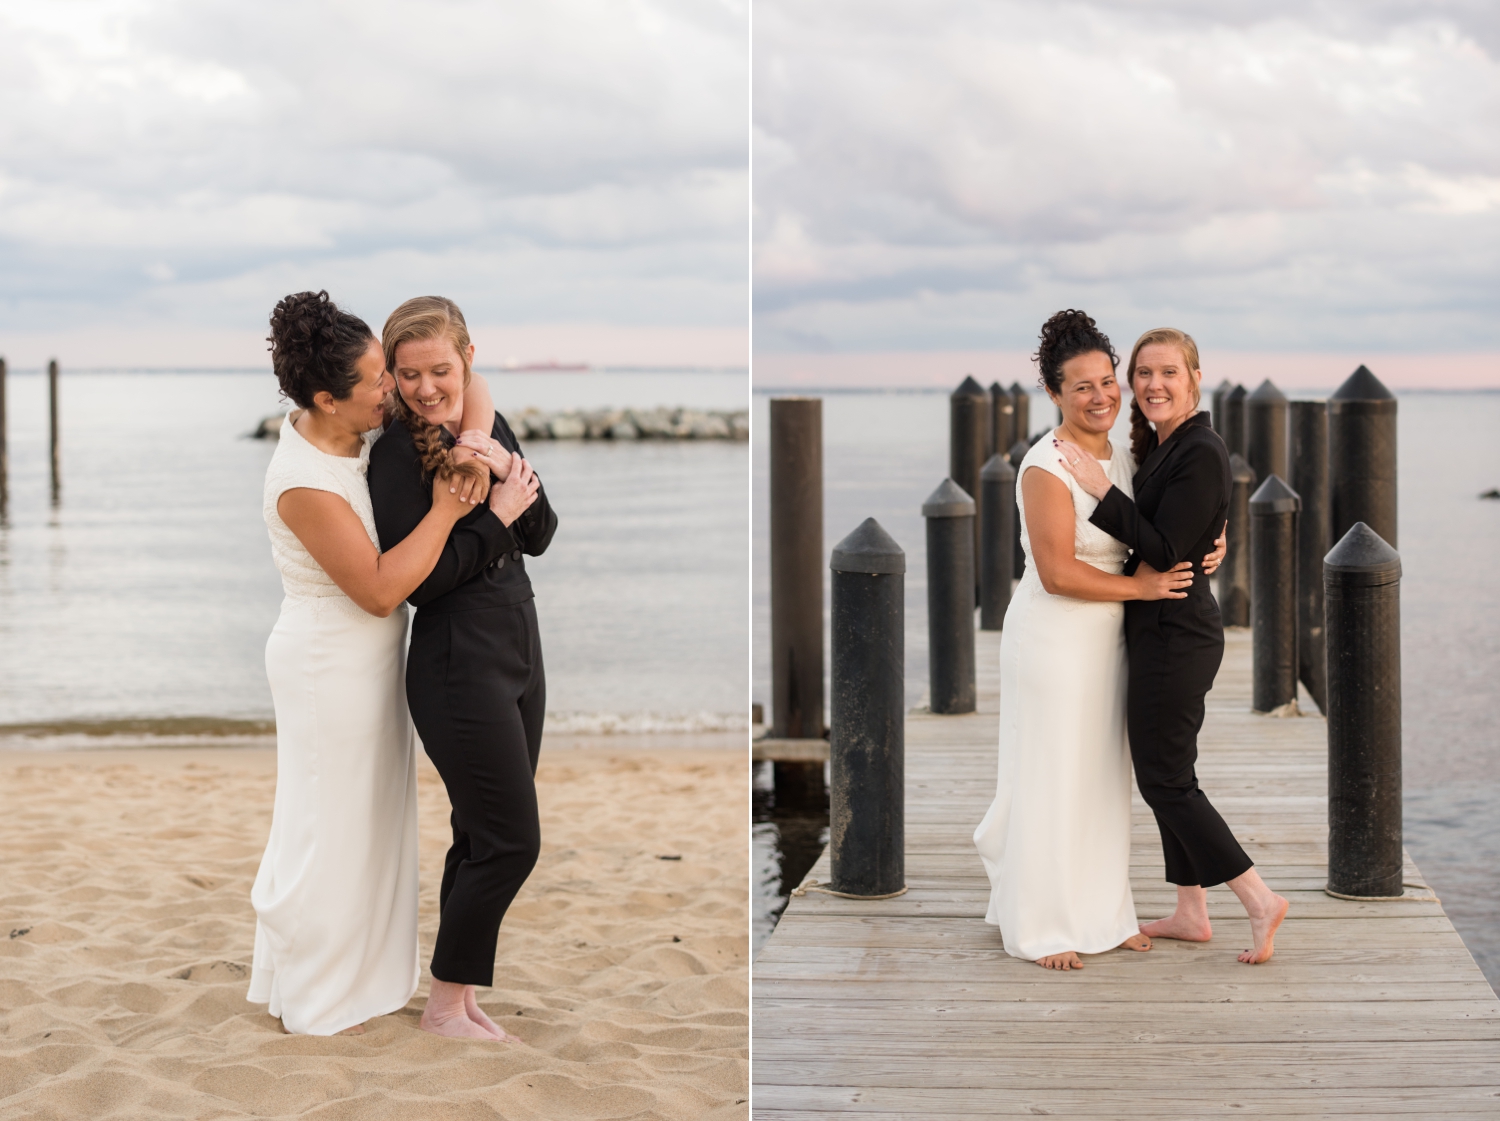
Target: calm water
column 884, row 453
column 149, row 591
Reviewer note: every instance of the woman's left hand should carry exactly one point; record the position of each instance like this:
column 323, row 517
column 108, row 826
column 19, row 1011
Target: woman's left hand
column 1084, row 468
column 1216, row 558
column 477, row 444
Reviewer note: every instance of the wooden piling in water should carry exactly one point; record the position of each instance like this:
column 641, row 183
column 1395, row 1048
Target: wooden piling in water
column 4, row 450
column 52, row 430
column 796, row 466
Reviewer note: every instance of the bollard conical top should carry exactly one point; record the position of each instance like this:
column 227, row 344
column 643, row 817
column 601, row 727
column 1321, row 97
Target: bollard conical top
column 1267, row 394
column 949, row 501
column 1274, row 497
column 998, row 390
column 1362, row 386
column 996, row 467
column 1237, row 394
column 1362, row 558
column 1018, row 452
column 868, row 549
column 1239, row 470
column 969, row 388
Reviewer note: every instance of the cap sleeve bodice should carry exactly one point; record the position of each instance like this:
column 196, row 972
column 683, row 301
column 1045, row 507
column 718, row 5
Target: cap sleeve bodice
column 1090, row 543
column 298, row 463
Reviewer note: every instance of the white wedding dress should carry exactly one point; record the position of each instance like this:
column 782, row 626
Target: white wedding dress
column 336, row 895
column 1056, row 841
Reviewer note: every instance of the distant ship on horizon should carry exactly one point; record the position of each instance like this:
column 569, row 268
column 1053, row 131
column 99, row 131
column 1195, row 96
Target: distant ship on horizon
column 550, row 366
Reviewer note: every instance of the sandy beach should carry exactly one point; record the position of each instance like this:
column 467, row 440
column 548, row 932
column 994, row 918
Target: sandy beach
column 126, row 933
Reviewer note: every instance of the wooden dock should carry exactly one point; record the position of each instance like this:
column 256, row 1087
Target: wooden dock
column 909, row 1008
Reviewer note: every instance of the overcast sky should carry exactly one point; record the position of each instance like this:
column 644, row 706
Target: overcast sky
column 1270, row 175
column 172, row 167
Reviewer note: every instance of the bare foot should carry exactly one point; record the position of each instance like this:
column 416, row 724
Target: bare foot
column 453, row 1025
column 1184, row 928
column 1264, row 928
column 1138, row 942
column 477, row 1016
column 1064, row 961
column 446, row 1013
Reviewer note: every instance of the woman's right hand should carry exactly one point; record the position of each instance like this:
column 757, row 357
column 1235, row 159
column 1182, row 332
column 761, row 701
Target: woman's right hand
column 454, row 496
column 1152, row 584
column 510, row 499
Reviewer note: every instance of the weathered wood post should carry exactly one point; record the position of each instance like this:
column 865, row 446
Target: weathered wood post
column 1022, row 401
column 1217, row 416
column 1002, row 419
column 1234, row 420
column 997, row 515
column 52, row 430
column 1234, row 573
column 1362, row 592
column 1018, row 452
column 1273, row 598
column 1362, row 456
column 1309, row 467
column 796, row 567
column 867, row 728
column 950, row 597
column 1265, row 431
column 968, row 441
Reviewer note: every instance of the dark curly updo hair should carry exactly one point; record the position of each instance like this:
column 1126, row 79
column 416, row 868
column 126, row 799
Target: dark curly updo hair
column 314, row 346
column 1067, row 335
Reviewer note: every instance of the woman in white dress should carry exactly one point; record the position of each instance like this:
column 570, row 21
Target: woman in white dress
column 336, row 894
column 1056, row 841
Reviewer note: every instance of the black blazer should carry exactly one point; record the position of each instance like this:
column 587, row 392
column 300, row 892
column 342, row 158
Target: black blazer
column 481, row 563
column 1181, row 497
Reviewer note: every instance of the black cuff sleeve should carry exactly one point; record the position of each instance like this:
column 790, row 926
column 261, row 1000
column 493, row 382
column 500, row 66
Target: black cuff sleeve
column 475, row 542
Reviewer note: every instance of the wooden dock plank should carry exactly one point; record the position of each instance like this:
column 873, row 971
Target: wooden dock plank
column 910, row 1007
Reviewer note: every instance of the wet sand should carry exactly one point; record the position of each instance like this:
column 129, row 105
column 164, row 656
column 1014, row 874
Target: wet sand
column 126, row 932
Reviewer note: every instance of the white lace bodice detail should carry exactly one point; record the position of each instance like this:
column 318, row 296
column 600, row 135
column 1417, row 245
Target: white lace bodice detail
column 1090, row 543
column 298, row 464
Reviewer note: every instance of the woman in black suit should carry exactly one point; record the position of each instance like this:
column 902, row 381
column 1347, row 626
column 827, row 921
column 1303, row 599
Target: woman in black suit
column 474, row 678
column 1181, row 485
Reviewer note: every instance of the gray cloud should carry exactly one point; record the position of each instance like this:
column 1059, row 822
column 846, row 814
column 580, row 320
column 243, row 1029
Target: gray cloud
column 181, row 161
column 1276, row 175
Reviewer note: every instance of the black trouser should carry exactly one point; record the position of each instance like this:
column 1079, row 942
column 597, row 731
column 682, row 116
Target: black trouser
column 477, row 694
column 1176, row 647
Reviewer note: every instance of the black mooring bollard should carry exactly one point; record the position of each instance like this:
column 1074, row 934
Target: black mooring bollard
column 1002, row 419
column 52, row 430
column 1273, row 597
column 950, row 597
column 1217, row 416
column 1018, row 452
column 1362, row 591
column 1234, row 420
column 1265, row 431
column 1362, row 456
column 1234, row 573
column 1309, row 467
column 867, row 735
column 968, row 440
column 797, row 568
column 997, row 501
column 1022, row 401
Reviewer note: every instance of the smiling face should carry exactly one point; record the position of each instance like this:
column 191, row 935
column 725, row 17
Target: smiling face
column 363, row 409
column 430, row 378
column 1165, row 387
column 1090, row 395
